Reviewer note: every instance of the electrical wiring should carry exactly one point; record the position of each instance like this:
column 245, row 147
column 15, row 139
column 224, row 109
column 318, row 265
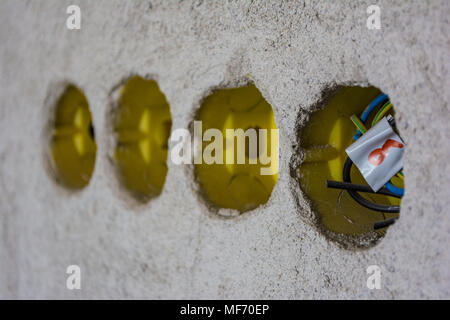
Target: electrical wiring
column 361, row 129
column 353, row 189
column 358, row 187
column 358, row 123
column 372, row 105
column 384, row 223
column 361, row 200
column 385, row 108
column 383, row 105
column 394, row 189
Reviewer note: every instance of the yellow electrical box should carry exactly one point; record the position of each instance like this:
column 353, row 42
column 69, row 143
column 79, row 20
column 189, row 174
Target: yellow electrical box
column 324, row 140
column 73, row 145
column 232, row 185
column 142, row 126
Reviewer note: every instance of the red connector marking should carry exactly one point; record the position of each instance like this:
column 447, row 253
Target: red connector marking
column 376, row 157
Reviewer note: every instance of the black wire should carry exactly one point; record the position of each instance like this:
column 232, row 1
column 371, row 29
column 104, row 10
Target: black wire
column 384, row 223
column 358, row 198
column 359, row 187
column 351, row 189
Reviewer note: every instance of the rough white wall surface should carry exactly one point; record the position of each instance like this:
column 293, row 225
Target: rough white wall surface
column 173, row 247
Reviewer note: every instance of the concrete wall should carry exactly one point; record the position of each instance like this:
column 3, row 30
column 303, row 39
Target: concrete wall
column 173, row 247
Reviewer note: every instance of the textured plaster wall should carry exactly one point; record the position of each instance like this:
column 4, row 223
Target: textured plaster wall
column 173, row 247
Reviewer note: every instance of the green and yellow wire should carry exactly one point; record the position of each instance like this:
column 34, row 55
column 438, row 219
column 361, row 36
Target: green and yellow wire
column 380, row 114
column 358, row 123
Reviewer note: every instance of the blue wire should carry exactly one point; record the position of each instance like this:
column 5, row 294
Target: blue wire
column 364, row 116
column 394, row 189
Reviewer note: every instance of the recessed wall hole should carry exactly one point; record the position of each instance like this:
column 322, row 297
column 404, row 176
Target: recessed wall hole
column 241, row 187
column 142, row 124
column 73, row 147
column 323, row 142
